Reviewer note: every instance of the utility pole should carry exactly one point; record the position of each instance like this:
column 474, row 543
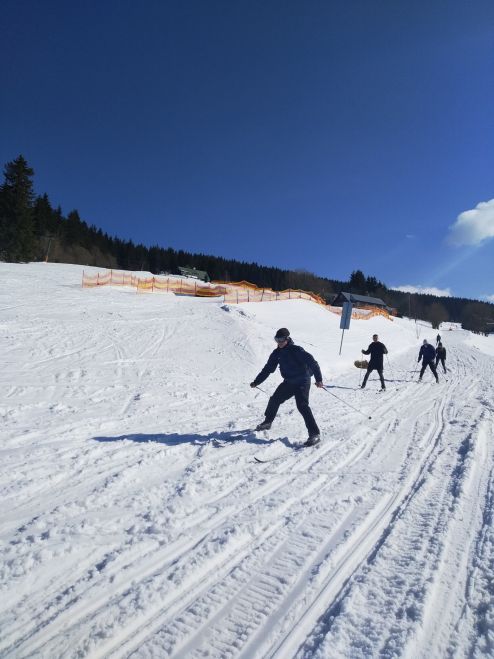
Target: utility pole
column 50, row 238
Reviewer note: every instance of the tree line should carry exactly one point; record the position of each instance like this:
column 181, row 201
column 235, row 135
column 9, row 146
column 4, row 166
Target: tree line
column 31, row 228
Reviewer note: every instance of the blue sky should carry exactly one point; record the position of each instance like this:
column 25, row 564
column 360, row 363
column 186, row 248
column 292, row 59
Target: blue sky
column 325, row 136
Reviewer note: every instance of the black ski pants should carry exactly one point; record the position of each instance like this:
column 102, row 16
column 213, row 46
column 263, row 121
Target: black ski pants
column 431, row 366
column 301, row 392
column 441, row 359
column 369, row 371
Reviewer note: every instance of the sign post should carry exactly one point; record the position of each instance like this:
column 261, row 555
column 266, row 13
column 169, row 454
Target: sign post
column 346, row 316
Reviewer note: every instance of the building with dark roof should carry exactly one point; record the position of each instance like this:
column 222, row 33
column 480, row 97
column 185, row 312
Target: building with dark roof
column 194, row 274
column 358, row 300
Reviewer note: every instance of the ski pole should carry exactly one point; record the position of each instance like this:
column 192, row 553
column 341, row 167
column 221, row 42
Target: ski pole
column 359, row 374
column 263, row 391
column 391, row 369
column 344, row 401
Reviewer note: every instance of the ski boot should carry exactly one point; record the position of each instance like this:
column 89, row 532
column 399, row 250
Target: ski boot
column 313, row 440
column 265, row 425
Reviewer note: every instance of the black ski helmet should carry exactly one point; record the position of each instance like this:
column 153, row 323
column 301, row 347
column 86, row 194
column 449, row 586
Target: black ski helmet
column 282, row 333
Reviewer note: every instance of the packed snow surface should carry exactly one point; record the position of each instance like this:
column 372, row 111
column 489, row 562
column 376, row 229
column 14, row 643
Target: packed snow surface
column 136, row 522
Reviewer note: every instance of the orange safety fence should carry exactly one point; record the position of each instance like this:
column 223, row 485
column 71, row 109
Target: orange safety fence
column 177, row 286
column 232, row 292
column 107, row 278
column 364, row 313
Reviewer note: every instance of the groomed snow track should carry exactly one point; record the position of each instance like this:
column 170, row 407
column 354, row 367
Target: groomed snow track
column 122, row 538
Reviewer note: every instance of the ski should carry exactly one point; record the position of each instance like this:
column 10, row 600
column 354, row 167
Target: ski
column 278, row 450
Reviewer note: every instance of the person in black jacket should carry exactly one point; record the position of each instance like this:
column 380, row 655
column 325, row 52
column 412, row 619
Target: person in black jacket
column 441, row 355
column 376, row 350
column 427, row 354
column 296, row 367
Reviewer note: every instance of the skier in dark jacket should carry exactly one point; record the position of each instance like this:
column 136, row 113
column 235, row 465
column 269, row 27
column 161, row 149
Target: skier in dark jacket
column 296, row 367
column 376, row 350
column 441, row 355
column 427, row 354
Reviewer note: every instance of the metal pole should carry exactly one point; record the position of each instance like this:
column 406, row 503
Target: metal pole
column 345, row 403
column 392, row 370
column 342, row 334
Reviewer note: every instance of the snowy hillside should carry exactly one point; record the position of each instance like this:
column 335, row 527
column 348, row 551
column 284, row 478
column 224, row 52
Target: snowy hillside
column 136, row 522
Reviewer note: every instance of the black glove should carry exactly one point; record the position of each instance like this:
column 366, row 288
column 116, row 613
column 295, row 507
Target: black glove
column 253, row 385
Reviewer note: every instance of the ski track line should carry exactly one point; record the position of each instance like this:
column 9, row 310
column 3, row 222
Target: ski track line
column 113, row 463
column 72, row 492
column 478, row 591
column 96, row 495
column 159, row 558
column 259, row 492
column 219, row 643
column 264, row 595
column 127, row 619
column 455, row 568
column 270, row 625
column 264, row 586
column 367, row 541
column 267, row 547
column 229, row 605
column 314, row 646
column 443, row 540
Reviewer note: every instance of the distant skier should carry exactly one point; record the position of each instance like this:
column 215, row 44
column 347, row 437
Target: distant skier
column 441, row 355
column 296, row 367
column 376, row 350
column 438, row 339
column 428, row 354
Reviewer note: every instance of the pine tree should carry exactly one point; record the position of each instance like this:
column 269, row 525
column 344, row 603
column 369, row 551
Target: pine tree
column 437, row 314
column 17, row 236
column 358, row 282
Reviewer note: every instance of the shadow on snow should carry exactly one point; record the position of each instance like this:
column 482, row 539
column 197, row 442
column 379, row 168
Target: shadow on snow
column 174, row 439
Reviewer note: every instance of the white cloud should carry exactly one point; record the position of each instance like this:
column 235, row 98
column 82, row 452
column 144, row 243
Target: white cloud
column 489, row 298
column 473, row 226
column 425, row 290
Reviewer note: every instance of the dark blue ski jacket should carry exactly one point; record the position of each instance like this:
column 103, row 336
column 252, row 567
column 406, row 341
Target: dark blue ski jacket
column 428, row 352
column 296, row 365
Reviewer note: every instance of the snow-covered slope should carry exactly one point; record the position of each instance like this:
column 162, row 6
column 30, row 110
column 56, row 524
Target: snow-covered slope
column 136, row 522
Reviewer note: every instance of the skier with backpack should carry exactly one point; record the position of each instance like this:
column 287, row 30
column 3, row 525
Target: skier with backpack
column 441, row 355
column 296, row 367
column 427, row 354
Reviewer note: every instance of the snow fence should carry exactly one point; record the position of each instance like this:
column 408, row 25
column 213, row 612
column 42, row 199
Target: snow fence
column 231, row 292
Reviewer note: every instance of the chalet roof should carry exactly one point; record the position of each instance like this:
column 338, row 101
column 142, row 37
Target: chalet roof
column 361, row 299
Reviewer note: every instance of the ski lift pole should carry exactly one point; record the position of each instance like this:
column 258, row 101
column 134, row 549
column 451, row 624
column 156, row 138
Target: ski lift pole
column 345, row 403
